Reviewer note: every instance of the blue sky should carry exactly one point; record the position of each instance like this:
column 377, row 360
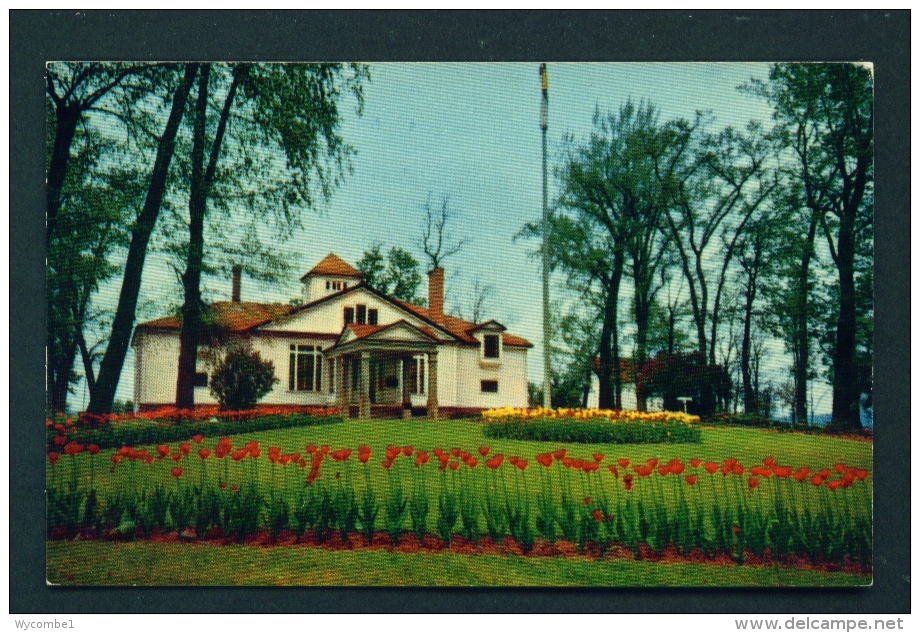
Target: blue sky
column 470, row 131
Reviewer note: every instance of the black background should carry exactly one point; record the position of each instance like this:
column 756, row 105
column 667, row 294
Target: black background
column 880, row 37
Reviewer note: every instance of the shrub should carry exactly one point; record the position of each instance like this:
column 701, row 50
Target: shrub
column 592, row 431
column 241, row 379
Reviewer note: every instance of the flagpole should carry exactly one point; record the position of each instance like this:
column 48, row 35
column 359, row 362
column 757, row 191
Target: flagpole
column 547, row 330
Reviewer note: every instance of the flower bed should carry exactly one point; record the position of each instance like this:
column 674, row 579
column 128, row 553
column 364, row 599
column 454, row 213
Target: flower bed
column 717, row 508
column 175, row 425
column 591, row 426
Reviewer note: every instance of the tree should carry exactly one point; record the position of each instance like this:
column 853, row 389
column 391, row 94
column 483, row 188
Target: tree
column 397, row 275
column 717, row 183
column 241, row 379
column 91, row 189
column 123, row 322
column 437, row 242
column 287, row 110
column 824, row 113
column 674, row 376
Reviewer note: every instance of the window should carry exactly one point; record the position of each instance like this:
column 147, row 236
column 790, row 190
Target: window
column 489, row 386
column 361, row 314
column 349, row 315
column 327, row 285
column 372, row 316
column 305, row 369
column 331, row 374
column 490, row 345
column 417, row 375
column 201, row 379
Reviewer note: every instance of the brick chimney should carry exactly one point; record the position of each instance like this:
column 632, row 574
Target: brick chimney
column 237, row 277
column 436, row 293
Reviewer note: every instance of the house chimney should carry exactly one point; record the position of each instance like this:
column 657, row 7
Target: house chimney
column 237, row 276
column 436, row 293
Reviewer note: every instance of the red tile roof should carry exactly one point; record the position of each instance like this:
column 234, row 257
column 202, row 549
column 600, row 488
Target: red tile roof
column 462, row 328
column 332, row 264
column 230, row 316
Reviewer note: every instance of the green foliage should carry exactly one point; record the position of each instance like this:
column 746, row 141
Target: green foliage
column 241, row 379
column 396, row 276
column 593, row 431
column 395, row 512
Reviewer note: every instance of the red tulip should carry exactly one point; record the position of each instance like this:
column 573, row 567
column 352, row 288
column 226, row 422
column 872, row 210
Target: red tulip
column 386, row 463
column 628, row 481
column 711, row 467
column 545, row 459
column 559, row 454
column 753, row 482
column 840, row 467
column 664, row 469
column 521, row 464
column 802, row 473
column 825, row 472
column 587, row 501
column 769, row 461
column 185, row 448
column 177, row 456
column 407, row 451
column 454, row 465
column 495, row 461
column 568, row 462
column 93, row 449
column 613, row 471
column 60, row 440
column 163, row 450
column 591, row 467
column 437, row 451
column 833, row 484
column 817, row 480
column 598, row 457
column 235, row 488
column 691, row 479
column 472, row 462
column 598, row 515
column 53, row 457
column 643, row 471
column 324, row 448
column 73, row 448
column 483, row 450
column 738, row 469
column 623, row 462
column 115, row 458
column 860, row 473
column 204, row 453
column 176, row 472
column 652, row 462
column 197, row 438
column 455, row 451
column 421, row 458
column 148, row 459
column 239, row 454
column 782, row 471
column 311, row 448
column 695, row 462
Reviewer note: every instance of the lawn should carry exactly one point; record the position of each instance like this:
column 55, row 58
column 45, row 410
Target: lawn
column 96, row 562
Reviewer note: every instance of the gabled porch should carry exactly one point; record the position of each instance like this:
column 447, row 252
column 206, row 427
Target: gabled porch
column 386, row 367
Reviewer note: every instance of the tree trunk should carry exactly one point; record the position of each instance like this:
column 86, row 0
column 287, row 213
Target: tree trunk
column 802, row 340
column 198, row 199
column 191, row 279
column 605, row 384
column 845, row 412
column 616, row 277
column 123, row 323
column 751, row 403
column 66, row 119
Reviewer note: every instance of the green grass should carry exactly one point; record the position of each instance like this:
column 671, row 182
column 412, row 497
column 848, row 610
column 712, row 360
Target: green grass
column 145, row 563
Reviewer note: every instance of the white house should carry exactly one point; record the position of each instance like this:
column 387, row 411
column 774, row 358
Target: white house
column 351, row 346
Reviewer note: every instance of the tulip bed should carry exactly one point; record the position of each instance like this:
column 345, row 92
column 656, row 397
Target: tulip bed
column 538, row 496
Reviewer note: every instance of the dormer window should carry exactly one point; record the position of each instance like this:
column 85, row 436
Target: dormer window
column 361, row 314
column 490, row 344
column 349, row 315
column 372, row 316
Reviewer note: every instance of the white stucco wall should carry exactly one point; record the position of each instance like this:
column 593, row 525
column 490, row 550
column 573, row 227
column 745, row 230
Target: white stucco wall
column 461, row 368
column 627, row 396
